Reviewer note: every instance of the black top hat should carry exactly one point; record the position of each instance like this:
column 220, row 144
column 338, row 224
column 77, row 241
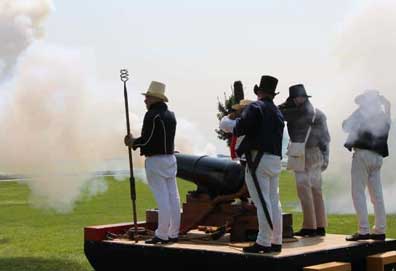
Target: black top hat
column 238, row 91
column 297, row 91
column 267, row 84
column 237, row 84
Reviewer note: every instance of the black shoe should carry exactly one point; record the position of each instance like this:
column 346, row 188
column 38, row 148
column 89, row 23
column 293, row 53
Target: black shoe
column 376, row 236
column 306, row 233
column 173, row 240
column 256, row 248
column 357, row 237
column 276, row 248
column 320, row 231
column 156, row 240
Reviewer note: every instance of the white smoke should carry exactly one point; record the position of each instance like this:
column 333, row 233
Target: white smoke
column 56, row 129
column 371, row 116
column 186, row 131
column 59, row 121
column 20, row 24
column 366, row 50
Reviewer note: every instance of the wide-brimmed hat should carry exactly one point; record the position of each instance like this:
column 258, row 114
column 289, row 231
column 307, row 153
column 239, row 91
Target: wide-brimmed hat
column 242, row 104
column 367, row 97
column 298, row 91
column 156, row 89
column 267, row 84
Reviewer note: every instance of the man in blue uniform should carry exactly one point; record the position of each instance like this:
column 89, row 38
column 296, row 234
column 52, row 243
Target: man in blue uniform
column 262, row 125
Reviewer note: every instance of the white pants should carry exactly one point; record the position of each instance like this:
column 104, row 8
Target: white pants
column 309, row 190
column 267, row 173
column 161, row 176
column 366, row 166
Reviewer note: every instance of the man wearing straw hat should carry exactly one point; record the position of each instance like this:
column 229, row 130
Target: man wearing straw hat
column 307, row 125
column 227, row 123
column 156, row 143
column 262, row 124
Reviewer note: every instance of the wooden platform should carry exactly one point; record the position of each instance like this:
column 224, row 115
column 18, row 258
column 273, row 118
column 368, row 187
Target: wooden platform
column 209, row 255
column 292, row 248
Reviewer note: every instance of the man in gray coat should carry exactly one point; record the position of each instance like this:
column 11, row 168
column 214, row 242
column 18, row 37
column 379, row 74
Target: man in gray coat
column 300, row 115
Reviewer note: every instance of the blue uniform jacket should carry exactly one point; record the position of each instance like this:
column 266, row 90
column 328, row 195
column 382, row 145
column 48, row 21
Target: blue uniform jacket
column 262, row 125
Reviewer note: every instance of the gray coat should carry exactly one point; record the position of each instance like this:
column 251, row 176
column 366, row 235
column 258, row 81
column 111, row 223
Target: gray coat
column 298, row 121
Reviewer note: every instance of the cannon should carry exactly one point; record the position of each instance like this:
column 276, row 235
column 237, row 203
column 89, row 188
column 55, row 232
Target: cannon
column 221, row 200
column 212, row 175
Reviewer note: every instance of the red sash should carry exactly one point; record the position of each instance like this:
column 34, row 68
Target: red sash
column 232, row 147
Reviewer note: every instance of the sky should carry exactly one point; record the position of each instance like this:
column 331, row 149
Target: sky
column 199, row 48
column 61, row 99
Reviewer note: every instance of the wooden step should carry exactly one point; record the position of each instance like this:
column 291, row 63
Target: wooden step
column 331, row 266
column 377, row 262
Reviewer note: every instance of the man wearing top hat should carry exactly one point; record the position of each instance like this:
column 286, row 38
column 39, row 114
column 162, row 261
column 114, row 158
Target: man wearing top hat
column 368, row 130
column 262, row 124
column 156, row 143
column 300, row 115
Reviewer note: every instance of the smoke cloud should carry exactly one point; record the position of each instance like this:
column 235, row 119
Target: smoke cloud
column 60, row 123
column 56, row 127
column 20, row 24
column 366, row 50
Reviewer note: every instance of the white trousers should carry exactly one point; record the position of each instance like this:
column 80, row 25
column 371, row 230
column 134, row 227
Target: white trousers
column 309, row 190
column 366, row 166
column 161, row 176
column 267, row 173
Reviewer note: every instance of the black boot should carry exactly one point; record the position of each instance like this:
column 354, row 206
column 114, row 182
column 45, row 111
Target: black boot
column 377, row 236
column 357, row 237
column 320, row 231
column 306, row 232
column 173, row 240
column 156, row 240
column 276, row 248
column 256, row 248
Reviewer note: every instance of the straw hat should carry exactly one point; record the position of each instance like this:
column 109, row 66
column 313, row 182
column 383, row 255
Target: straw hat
column 156, row 89
column 242, row 104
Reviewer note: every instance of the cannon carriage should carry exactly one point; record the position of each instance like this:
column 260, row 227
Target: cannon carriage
column 221, row 200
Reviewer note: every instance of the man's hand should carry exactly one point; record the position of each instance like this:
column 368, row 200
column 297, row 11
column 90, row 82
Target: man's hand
column 128, row 140
column 325, row 164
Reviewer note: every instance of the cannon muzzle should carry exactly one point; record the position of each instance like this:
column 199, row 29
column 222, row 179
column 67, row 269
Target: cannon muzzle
column 215, row 176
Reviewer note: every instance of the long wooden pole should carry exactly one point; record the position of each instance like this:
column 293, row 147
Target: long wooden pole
column 124, row 78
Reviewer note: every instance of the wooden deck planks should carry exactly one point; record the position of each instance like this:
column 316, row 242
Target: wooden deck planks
column 301, row 246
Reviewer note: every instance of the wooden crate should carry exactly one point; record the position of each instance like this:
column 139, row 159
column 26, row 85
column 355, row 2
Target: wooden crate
column 331, row 266
column 377, row 262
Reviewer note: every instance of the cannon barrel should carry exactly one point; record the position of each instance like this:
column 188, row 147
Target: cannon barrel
column 216, row 176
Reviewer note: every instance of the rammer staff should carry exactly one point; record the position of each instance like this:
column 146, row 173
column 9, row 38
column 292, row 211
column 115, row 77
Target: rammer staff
column 124, row 78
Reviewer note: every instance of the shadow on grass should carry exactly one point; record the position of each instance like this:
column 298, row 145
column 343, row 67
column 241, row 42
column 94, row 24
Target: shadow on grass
column 39, row 264
column 4, row 240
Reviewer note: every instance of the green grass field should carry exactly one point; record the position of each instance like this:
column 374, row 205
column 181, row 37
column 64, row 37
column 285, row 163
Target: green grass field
column 42, row 240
